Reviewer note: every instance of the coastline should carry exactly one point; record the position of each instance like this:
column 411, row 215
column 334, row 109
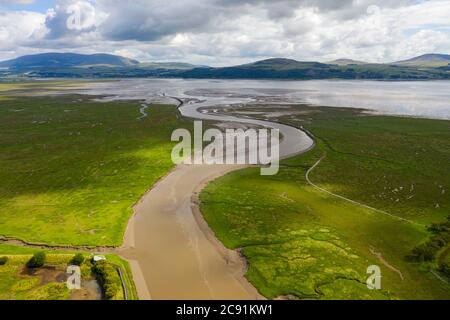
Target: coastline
column 231, row 256
column 171, row 255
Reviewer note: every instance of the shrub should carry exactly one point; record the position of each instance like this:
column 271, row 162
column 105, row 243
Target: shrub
column 438, row 228
column 424, row 252
column 428, row 250
column 3, row 261
column 77, row 259
column 445, row 269
column 108, row 278
column 38, row 260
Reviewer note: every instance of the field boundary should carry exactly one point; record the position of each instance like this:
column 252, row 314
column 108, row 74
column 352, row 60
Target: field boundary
column 307, row 176
column 23, row 243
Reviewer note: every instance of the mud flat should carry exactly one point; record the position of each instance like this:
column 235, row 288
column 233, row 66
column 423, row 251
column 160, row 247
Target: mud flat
column 173, row 252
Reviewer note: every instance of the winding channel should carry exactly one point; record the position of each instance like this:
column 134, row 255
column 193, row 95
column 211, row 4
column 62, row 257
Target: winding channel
column 172, row 252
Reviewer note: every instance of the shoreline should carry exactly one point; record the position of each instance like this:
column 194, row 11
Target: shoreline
column 165, row 247
column 231, row 256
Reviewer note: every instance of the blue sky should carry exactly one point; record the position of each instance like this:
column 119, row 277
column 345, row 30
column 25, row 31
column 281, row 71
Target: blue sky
column 37, row 6
column 224, row 32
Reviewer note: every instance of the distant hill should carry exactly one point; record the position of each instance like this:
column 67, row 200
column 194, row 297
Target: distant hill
column 72, row 65
column 280, row 68
column 277, row 68
column 168, row 65
column 280, row 64
column 426, row 60
column 65, row 60
column 346, row 62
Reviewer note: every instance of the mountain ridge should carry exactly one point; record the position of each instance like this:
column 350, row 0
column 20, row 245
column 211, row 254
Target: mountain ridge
column 72, row 65
column 430, row 60
column 346, row 62
column 55, row 59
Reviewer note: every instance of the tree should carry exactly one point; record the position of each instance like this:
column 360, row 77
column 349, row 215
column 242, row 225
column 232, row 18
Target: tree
column 3, row 260
column 77, row 259
column 108, row 278
column 38, row 260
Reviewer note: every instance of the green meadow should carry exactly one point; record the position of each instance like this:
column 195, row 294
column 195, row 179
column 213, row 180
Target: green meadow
column 49, row 282
column 303, row 243
column 71, row 168
column 18, row 284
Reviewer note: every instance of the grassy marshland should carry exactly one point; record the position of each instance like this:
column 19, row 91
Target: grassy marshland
column 71, row 168
column 302, row 242
column 17, row 282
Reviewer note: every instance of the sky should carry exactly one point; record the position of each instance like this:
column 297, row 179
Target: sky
column 227, row 32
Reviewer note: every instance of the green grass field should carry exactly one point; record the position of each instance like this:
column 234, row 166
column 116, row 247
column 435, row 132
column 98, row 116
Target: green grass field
column 16, row 285
column 71, row 168
column 305, row 243
column 46, row 283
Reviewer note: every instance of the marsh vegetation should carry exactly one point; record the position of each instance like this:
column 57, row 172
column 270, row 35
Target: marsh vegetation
column 72, row 168
column 302, row 242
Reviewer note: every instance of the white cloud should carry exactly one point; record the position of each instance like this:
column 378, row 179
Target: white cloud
column 221, row 32
column 20, row 28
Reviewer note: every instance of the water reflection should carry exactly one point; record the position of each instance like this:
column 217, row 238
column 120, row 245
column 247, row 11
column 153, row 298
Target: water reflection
column 429, row 99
